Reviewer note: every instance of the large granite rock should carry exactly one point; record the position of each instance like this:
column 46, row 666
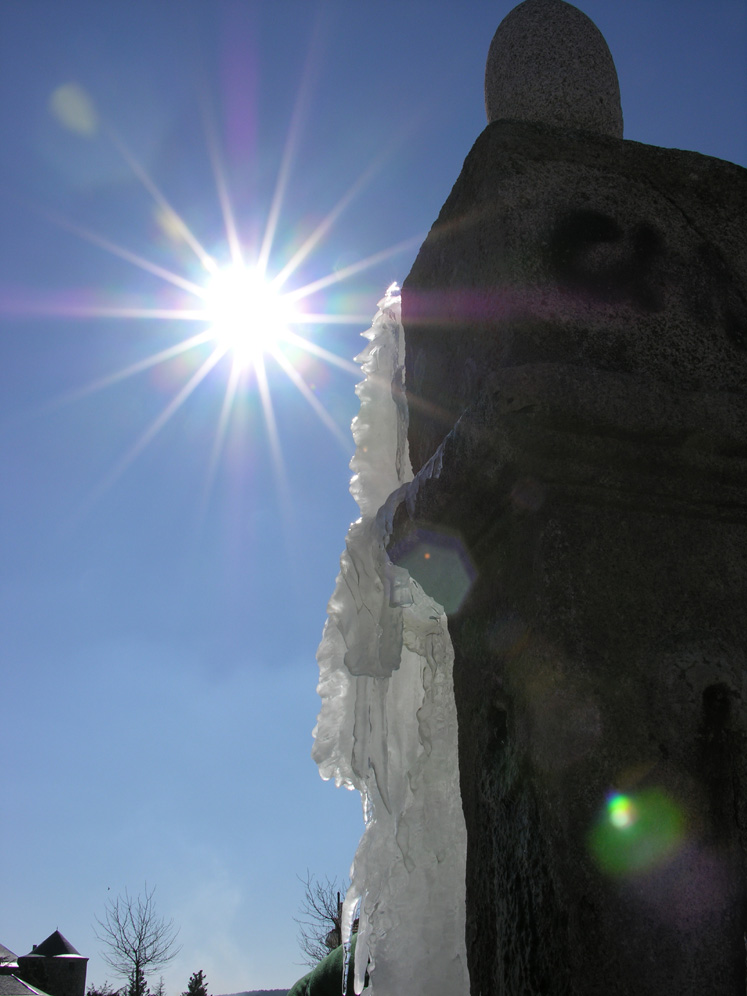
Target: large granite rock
column 549, row 62
column 576, row 327
column 574, row 249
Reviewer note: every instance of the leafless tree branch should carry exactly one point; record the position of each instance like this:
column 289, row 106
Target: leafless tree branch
column 319, row 923
column 135, row 937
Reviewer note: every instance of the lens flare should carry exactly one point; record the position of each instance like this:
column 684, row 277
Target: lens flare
column 246, row 316
column 621, row 811
column 440, row 562
column 249, row 314
column 74, row 109
column 637, row 832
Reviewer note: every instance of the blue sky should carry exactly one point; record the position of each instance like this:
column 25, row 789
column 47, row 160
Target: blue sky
column 161, row 599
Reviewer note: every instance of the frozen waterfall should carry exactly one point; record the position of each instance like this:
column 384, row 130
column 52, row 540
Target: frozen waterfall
column 387, row 725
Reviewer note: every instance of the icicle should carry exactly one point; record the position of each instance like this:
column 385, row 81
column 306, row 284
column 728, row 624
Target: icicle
column 388, row 721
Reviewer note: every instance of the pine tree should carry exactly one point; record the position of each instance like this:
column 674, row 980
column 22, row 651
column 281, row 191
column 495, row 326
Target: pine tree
column 105, row 990
column 137, row 985
column 197, row 985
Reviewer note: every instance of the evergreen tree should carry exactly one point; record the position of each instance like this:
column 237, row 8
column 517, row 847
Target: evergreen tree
column 106, row 990
column 197, row 985
column 137, row 986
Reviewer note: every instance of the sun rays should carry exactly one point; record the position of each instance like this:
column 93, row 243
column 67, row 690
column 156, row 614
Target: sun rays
column 245, row 315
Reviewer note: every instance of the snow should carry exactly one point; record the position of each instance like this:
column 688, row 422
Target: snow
column 388, row 724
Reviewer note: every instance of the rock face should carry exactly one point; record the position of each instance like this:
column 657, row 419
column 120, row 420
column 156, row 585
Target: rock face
column 549, row 62
column 576, row 327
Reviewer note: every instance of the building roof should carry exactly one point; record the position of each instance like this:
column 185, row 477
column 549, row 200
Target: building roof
column 6, row 954
column 11, row 985
column 52, row 947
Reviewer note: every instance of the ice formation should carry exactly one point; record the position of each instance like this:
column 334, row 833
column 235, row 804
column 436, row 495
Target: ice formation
column 388, row 724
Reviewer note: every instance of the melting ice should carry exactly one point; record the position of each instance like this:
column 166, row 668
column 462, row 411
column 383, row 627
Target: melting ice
column 388, row 724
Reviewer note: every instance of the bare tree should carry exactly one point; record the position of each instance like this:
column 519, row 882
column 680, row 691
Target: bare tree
column 136, row 938
column 320, row 920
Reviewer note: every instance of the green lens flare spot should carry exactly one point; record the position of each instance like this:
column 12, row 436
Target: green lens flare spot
column 636, row 832
column 621, row 811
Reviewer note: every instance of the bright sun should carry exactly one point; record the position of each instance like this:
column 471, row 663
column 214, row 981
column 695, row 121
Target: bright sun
column 247, row 316
column 244, row 312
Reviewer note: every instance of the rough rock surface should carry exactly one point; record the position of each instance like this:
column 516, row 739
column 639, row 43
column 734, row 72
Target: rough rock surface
column 576, row 328
column 549, row 62
column 562, row 247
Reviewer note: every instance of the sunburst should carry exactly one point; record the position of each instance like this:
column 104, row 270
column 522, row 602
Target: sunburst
column 243, row 311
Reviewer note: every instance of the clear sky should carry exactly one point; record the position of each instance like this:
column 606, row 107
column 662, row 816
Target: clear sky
column 165, row 566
